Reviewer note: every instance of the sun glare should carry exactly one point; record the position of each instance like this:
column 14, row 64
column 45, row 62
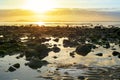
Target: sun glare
column 40, row 6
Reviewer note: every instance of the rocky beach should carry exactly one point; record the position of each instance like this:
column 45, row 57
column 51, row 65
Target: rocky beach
column 59, row 53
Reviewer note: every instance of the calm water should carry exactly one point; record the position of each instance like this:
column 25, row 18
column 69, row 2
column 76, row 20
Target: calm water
column 62, row 23
column 92, row 67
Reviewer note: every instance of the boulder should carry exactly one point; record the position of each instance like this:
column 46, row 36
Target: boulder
column 36, row 63
column 115, row 53
column 14, row 67
column 56, row 40
column 84, row 50
column 99, row 54
column 56, row 49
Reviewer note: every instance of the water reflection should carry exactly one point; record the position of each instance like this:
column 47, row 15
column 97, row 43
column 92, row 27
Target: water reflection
column 75, row 57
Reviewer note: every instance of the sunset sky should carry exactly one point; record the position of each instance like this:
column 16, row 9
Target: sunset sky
column 13, row 4
column 67, row 10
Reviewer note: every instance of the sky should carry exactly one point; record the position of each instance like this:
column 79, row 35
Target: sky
column 67, row 10
column 17, row 4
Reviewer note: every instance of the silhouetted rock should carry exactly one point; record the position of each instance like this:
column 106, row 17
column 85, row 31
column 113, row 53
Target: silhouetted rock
column 36, row 63
column 14, row 67
column 42, row 50
column 2, row 53
column 81, row 77
column 107, row 45
column 68, row 43
column 72, row 54
column 11, row 69
column 56, row 49
column 84, row 50
column 43, row 40
column 55, row 57
column 115, row 53
column 17, row 65
column 20, row 56
column 99, row 54
column 56, row 40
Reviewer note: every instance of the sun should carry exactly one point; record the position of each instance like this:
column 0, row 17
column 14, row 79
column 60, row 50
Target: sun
column 40, row 6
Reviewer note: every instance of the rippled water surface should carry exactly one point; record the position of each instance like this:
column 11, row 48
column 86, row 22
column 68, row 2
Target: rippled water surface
column 62, row 66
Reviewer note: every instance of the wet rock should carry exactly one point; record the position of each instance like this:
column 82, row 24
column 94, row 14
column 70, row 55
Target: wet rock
column 56, row 40
column 55, row 57
column 81, row 77
column 11, row 69
column 68, row 43
column 43, row 40
column 17, row 65
column 14, row 67
column 115, row 53
column 99, row 54
column 56, row 49
column 107, row 45
column 2, row 53
column 36, row 63
column 119, row 56
column 30, row 53
column 20, row 56
column 84, row 50
column 72, row 54
column 42, row 50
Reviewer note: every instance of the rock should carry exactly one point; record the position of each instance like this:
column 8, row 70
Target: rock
column 42, row 51
column 56, row 49
column 84, row 50
column 11, row 69
column 14, row 67
column 56, row 40
column 72, row 54
column 2, row 53
column 17, row 65
column 43, row 40
column 20, row 56
column 81, row 77
column 55, row 57
column 119, row 56
column 68, row 43
column 99, row 54
column 115, row 53
column 107, row 45
column 36, row 63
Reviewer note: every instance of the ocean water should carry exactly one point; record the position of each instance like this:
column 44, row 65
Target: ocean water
column 117, row 23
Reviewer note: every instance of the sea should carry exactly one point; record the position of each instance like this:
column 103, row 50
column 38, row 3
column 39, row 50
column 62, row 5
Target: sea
column 104, row 23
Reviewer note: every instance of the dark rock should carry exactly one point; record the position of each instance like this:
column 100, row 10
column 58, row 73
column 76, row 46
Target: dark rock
column 68, row 43
column 99, row 54
column 56, row 49
column 20, row 56
column 44, row 40
column 84, row 50
column 56, row 40
column 17, row 65
column 14, row 67
column 115, row 53
column 42, row 50
column 107, row 45
column 72, row 54
column 36, row 63
column 119, row 56
column 81, row 77
column 66, row 73
column 55, row 57
column 11, row 69
column 2, row 53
